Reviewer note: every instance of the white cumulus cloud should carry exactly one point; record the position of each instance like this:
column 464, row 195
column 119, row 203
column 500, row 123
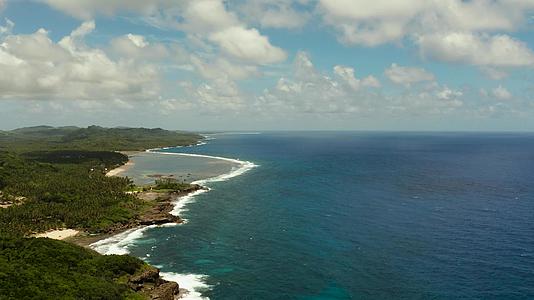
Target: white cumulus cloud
column 34, row 67
column 448, row 94
column 136, row 47
column 7, row 28
column 202, row 20
column 308, row 91
column 477, row 49
column 88, row 9
column 248, row 45
column 370, row 23
column 381, row 21
column 501, row 93
column 407, row 75
column 274, row 13
column 347, row 76
column 473, row 32
column 494, row 73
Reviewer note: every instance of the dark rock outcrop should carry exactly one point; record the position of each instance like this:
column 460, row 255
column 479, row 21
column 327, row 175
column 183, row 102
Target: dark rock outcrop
column 149, row 274
column 165, row 291
column 159, row 214
column 149, row 283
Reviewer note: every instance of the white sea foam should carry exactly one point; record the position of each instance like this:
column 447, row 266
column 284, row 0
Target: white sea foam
column 181, row 202
column 200, row 143
column 235, row 133
column 193, row 283
column 244, row 166
column 120, row 243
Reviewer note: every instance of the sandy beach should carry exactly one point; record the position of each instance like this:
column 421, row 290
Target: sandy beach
column 59, row 234
column 164, row 209
column 117, row 171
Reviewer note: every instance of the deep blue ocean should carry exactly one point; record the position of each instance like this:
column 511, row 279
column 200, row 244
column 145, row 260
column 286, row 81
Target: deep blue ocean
column 351, row 215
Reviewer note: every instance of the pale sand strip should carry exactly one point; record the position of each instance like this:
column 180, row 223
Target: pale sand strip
column 119, row 170
column 59, row 234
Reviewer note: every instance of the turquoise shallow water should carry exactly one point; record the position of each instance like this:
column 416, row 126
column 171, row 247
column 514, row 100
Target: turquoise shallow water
column 360, row 216
column 185, row 168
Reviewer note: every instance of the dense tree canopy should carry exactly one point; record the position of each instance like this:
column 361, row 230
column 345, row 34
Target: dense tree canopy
column 53, row 178
column 70, row 195
column 92, row 138
column 49, row 269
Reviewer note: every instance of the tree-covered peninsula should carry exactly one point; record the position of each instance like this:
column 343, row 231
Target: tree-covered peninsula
column 53, row 178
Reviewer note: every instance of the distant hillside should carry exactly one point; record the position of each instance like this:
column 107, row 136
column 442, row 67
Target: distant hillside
column 93, row 138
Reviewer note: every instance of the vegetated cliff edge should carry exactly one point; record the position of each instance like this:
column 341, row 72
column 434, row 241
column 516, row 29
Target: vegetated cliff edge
column 57, row 177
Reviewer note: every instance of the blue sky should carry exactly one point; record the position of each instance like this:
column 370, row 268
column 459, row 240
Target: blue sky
column 261, row 65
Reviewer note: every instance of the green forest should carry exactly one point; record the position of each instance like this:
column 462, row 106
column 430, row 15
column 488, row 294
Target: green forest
column 54, row 178
column 70, row 194
column 47, row 269
column 94, row 138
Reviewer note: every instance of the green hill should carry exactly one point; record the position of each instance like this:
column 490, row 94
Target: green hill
column 49, row 269
column 54, row 177
column 93, row 138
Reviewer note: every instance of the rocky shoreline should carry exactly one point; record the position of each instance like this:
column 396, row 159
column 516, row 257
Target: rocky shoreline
column 159, row 205
column 149, row 283
column 161, row 212
column 158, row 212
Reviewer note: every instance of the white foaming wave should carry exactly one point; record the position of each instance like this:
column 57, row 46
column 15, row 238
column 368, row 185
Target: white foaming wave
column 179, row 205
column 201, row 143
column 236, row 133
column 193, row 283
column 207, row 137
column 119, row 243
column 244, row 166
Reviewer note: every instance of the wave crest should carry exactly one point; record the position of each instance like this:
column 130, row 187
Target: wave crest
column 120, row 243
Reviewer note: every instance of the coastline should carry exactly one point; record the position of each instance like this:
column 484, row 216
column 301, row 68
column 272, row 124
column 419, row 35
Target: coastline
column 54, row 192
column 121, row 169
column 117, row 171
column 58, row 234
column 158, row 213
column 118, row 241
column 245, row 166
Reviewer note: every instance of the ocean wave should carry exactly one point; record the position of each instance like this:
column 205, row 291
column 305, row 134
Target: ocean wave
column 200, row 143
column 193, row 283
column 120, row 243
column 234, row 133
column 244, row 166
column 181, row 202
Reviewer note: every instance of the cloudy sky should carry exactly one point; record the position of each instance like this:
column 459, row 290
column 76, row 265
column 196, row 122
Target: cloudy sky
column 268, row 64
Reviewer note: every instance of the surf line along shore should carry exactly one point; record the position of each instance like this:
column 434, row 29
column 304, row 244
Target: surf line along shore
column 120, row 241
